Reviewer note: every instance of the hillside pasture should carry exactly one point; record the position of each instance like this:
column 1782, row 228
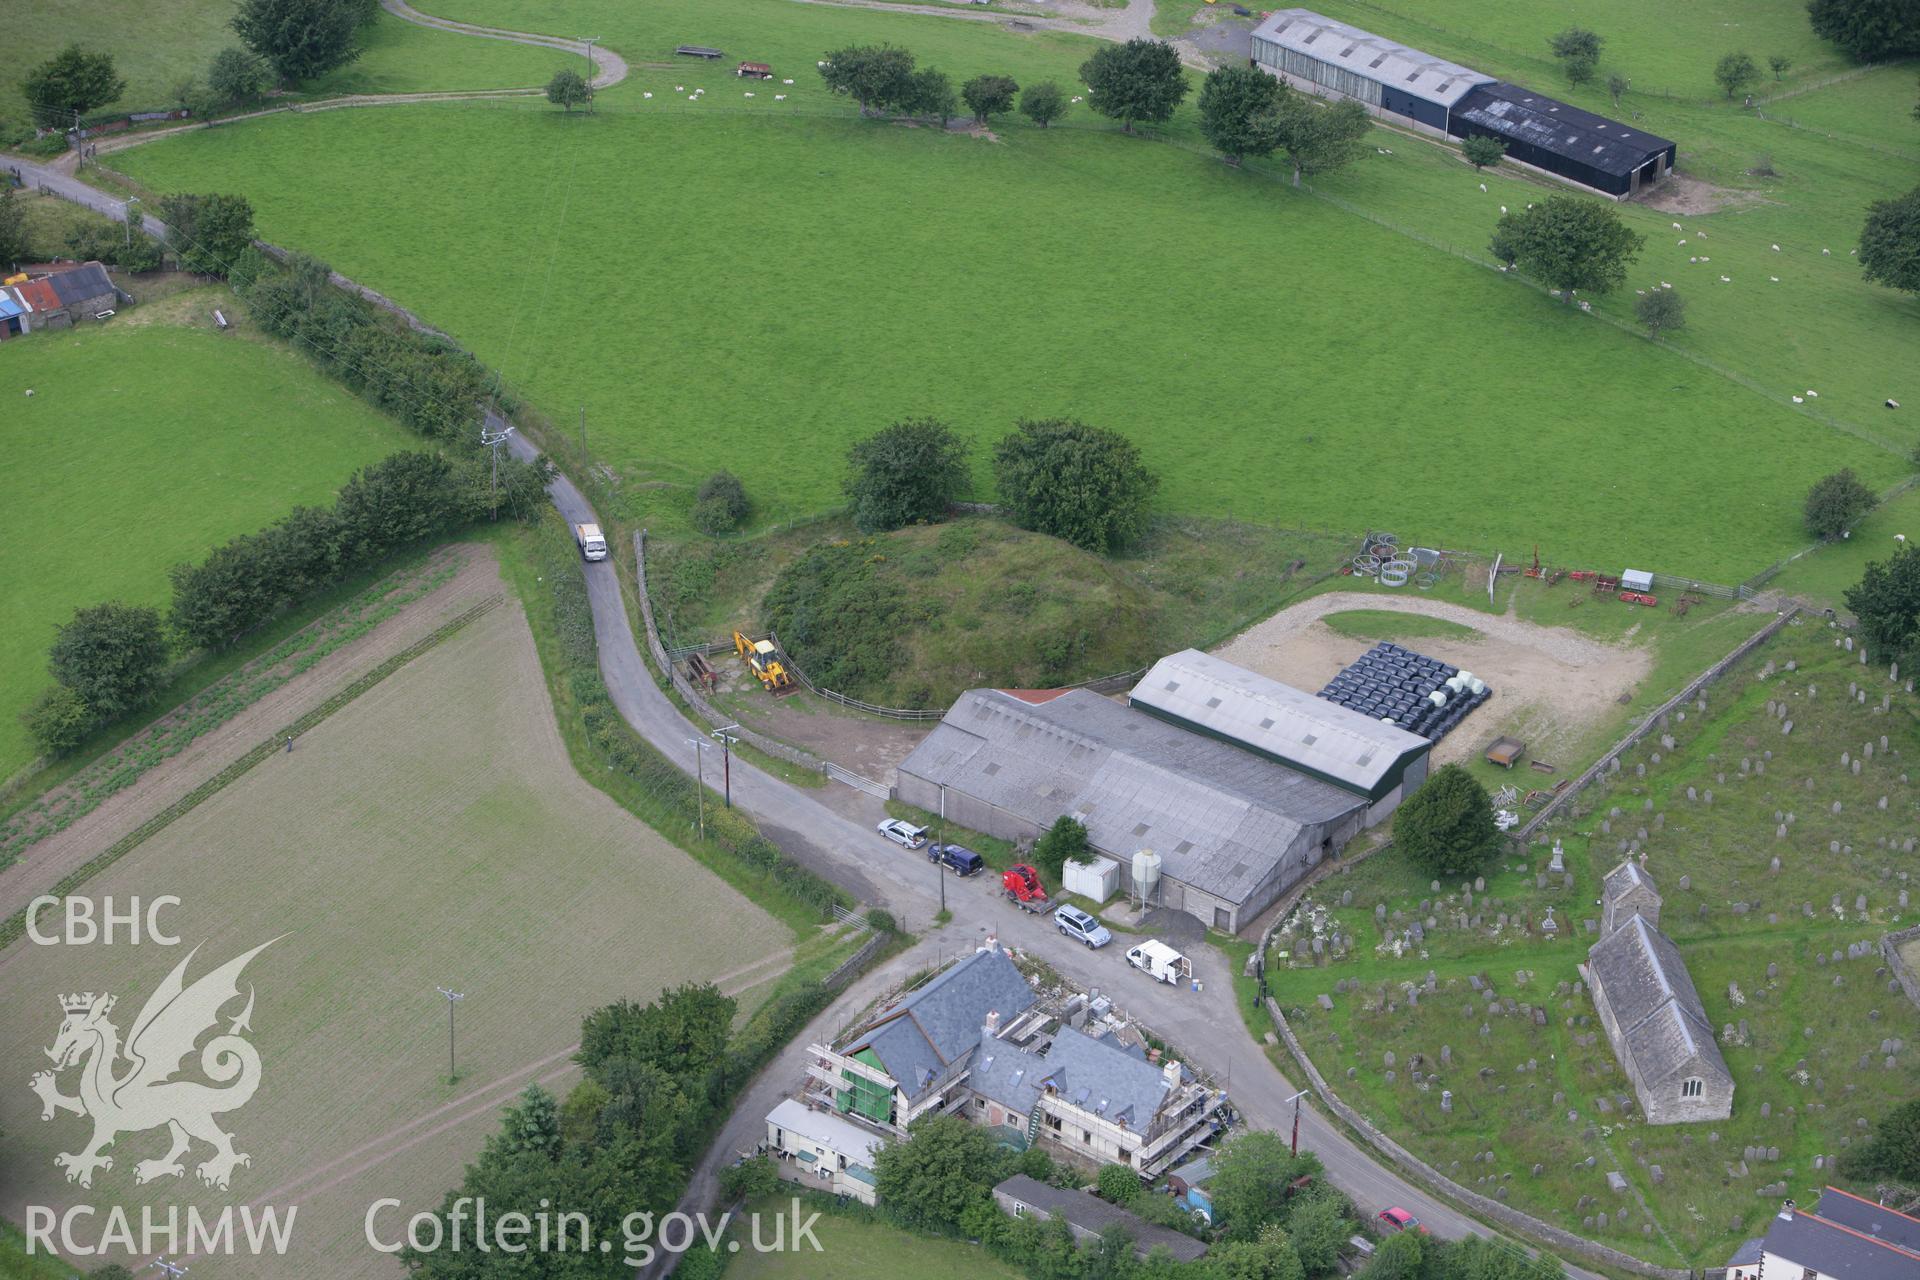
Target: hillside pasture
column 142, row 446
column 433, row 832
column 1271, row 368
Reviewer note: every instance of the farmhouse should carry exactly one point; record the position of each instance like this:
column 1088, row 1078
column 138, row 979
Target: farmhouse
column 1656, row 1023
column 1087, row 1216
column 1406, row 87
column 1844, row 1238
column 59, row 300
column 822, row 1150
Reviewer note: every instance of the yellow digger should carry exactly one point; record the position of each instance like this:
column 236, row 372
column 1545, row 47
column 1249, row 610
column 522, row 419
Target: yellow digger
column 764, row 660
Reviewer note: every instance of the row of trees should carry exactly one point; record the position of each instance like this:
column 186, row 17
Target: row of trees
column 885, row 80
column 1056, row 476
column 111, row 659
column 1246, row 112
column 1578, row 52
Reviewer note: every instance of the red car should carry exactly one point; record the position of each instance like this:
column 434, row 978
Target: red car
column 1398, row 1219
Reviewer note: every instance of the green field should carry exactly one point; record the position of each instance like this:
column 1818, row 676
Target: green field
column 1806, row 1025
column 433, row 831
column 157, row 45
column 864, row 1249
column 142, row 447
column 732, row 335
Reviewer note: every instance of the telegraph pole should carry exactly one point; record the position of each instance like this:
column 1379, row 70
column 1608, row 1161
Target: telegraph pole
column 491, row 441
column 453, row 998
column 700, row 777
column 1295, row 1100
column 591, row 41
column 725, row 735
column 942, row 859
column 173, row 1269
column 130, row 215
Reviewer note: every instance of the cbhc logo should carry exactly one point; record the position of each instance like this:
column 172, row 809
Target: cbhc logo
column 83, row 925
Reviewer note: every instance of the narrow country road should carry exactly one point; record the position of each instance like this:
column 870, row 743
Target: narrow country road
column 612, row 67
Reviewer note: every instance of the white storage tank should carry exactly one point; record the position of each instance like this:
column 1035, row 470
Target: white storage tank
column 1098, row 880
column 1146, row 874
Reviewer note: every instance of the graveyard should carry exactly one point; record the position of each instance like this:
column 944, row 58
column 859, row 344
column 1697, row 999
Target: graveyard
column 1776, row 816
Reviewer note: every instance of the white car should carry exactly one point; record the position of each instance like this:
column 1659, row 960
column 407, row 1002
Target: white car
column 902, row 833
column 1081, row 927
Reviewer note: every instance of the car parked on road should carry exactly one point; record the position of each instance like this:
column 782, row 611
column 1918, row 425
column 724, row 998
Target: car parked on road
column 960, row 860
column 1081, row 927
column 902, row 833
column 1398, row 1219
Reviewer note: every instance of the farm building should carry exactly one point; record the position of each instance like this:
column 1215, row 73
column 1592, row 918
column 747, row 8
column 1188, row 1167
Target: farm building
column 1844, row 1237
column 1563, row 140
column 1239, row 783
column 69, row 295
column 1332, row 59
column 1087, row 1217
column 1407, row 87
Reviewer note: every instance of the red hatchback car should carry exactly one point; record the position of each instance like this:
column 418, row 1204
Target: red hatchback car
column 1400, row 1220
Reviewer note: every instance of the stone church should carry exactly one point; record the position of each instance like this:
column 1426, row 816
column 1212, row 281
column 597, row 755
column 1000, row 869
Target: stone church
column 1647, row 1003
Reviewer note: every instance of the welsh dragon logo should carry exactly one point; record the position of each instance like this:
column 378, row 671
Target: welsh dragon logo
column 129, row 1088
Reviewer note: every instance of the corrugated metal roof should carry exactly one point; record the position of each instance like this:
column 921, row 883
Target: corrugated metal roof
column 1276, row 718
column 38, row 295
column 1523, row 115
column 8, row 307
column 82, row 283
column 1375, row 57
column 842, row 1137
column 1221, row 818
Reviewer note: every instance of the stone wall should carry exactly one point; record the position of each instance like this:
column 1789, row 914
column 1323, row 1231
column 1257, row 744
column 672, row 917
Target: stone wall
column 1503, row 1215
column 1902, row 971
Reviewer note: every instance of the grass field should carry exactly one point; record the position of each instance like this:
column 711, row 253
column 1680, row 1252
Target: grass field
column 143, row 446
column 861, row 1249
column 738, row 259
column 431, row 832
column 156, row 46
column 1382, row 624
column 1805, row 1027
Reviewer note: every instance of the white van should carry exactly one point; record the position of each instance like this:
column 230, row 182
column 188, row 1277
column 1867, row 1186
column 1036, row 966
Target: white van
column 1159, row 961
column 593, row 543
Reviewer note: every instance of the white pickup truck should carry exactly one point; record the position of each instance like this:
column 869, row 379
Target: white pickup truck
column 1159, row 961
column 593, row 543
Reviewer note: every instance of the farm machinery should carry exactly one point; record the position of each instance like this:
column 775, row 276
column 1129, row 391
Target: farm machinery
column 763, row 659
column 1022, row 886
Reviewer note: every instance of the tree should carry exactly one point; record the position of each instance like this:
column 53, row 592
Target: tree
column 720, row 505
column 1043, row 103
column 876, row 77
column 1239, row 110
column 1085, row 484
column 946, row 1164
column 1661, row 310
column 1321, row 139
column 985, row 95
column 300, row 39
column 1735, row 71
column 207, row 233
column 1396, row 1258
column 1868, row 30
column 13, row 228
column 1887, row 602
column 1446, row 827
column 112, row 655
column 533, row 1123
column 568, row 89
column 1835, row 502
column 1893, row 1152
column 1578, row 51
column 1617, row 88
column 1118, row 1184
column 1063, row 842
column 910, row 472
column 1568, row 244
column 1319, row 1229
column 1483, row 150
column 71, row 82
column 1779, row 64
column 238, row 75
column 1890, row 243
column 930, row 93
column 684, row 1033
column 749, row 1180
column 1251, row 1180
column 1139, row 80
column 398, row 500
column 58, row 720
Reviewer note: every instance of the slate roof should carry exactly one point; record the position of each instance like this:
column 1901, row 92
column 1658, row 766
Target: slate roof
column 1090, row 1213
column 81, row 283
column 1653, row 1001
column 1006, row 1074
column 1809, row 1240
column 1624, row 879
column 1748, row 1254
column 1219, row 817
column 1104, row 1078
column 1370, row 56
column 1275, row 719
column 921, row 1035
column 1872, row 1219
column 839, row 1136
column 1521, row 114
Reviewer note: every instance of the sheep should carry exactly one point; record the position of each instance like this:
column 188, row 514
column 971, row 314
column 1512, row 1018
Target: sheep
column 646, row 95
column 1665, row 285
column 1726, row 280
column 1776, row 248
column 1678, row 227
column 786, row 82
column 749, row 93
column 1775, row 279
column 1693, row 259
column 779, row 97
column 1826, row 253
column 1891, row 404
column 1812, row 394
column 1483, row 186
column 1683, row 242
column 1798, row 400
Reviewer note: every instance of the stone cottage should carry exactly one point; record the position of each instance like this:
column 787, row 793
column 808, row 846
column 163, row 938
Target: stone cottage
column 1653, row 1016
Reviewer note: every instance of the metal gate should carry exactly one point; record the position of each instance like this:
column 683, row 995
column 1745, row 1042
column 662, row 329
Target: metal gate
column 859, row 783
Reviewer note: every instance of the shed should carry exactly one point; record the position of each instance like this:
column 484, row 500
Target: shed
column 1097, row 880
column 1087, row 1216
column 835, row 1152
column 12, row 316
column 699, row 51
column 1326, row 56
column 1564, row 140
column 86, row 290
column 1636, row 580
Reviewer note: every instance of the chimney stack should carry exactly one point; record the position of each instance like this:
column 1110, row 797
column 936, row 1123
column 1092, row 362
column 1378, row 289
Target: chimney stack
column 1172, row 1073
column 992, row 1024
column 1786, row 1210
